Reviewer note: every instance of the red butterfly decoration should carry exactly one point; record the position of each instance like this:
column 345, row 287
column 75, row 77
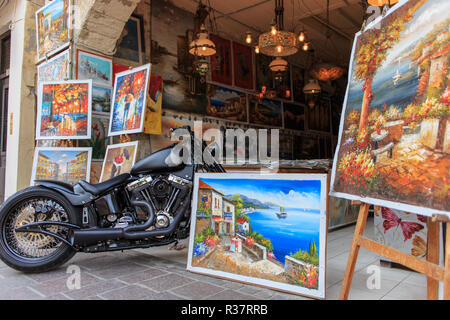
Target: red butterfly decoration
column 392, row 220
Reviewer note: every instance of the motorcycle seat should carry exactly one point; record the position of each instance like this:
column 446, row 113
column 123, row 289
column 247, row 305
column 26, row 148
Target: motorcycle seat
column 97, row 189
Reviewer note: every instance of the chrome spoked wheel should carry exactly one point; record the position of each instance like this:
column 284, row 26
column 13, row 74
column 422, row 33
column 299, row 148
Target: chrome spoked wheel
column 31, row 245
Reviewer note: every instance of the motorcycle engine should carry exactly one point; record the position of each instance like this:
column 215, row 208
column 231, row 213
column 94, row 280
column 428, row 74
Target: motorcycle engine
column 162, row 192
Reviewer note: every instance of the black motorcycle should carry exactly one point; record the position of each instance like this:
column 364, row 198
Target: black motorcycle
column 43, row 226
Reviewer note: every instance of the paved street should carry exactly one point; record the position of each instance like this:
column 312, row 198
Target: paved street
column 160, row 274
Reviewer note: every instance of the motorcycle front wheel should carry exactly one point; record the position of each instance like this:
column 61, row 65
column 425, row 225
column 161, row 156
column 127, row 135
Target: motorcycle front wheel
column 35, row 252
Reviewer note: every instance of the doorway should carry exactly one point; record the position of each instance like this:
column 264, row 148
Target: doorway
column 5, row 58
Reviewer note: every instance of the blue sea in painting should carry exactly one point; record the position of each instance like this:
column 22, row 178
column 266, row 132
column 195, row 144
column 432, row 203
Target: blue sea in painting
column 300, row 199
column 290, row 234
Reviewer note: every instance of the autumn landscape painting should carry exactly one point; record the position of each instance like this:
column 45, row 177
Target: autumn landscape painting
column 395, row 132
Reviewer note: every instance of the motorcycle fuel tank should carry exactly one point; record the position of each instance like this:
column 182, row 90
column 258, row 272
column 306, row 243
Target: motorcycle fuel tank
column 156, row 162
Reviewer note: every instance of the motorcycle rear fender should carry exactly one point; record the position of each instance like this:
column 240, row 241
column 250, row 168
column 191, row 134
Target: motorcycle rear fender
column 76, row 195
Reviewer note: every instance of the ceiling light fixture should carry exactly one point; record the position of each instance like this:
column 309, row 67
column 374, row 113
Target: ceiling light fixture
column 278, row 42
column 202, row 46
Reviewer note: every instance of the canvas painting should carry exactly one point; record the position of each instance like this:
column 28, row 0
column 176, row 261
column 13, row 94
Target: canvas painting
column 243, row 66
column 53, row 28
column 394, row 136
column 265, row 111
column 56, row 68
column 153, row 115
column 341, row 213
column 99, row 139
column 401, row 230
column 294, row 116
column 130, row 46
column 119, row 159
column 95, row 67
column 69, row 165
column 163, row 140
column 306, row 148
column 266, row 230
column 101, row 99
column 129, row 101
column 64, row 110
column 171, row 34
column 226, row 104
column 96, row 171
column 221, row 62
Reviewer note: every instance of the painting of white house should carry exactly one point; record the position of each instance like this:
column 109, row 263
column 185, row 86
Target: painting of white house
column 267, row 230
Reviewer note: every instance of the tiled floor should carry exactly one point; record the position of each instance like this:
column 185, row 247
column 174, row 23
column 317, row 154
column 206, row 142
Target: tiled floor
column 158, row 273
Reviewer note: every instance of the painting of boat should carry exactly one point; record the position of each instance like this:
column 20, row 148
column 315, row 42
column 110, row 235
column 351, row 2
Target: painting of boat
column 282, row 214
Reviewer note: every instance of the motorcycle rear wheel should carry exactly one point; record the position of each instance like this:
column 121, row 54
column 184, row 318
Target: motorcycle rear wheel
column 35, row 252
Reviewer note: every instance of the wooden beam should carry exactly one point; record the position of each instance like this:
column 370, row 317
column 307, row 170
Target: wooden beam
column 430, row 269
column 349, row 18
column 354, row 250
column 433, row 229
column 447, row 263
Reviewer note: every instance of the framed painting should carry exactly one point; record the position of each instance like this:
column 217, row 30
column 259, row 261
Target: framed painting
column 69, row 165
column 171, row 32
column 64, row 110
column 243, row 66
column 101, row 100
column 393, row 148
column 53, row 28
column 226, row 104
column 294, row 116
column 341, row 213
column 265, row 112
column 99, row 140
column 119, row 159
column 56, row 68
column 129, row 101
column 221, row 62
column 96, row 67
column 265, row 230
column 306, row 148
column 130, row 48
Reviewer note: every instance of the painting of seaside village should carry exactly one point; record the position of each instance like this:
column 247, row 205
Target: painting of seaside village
column 395, row 133
column 265, row 230
column 69, row 165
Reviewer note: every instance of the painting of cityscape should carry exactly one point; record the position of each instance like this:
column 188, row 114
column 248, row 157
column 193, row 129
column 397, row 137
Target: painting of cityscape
column 64, row 110
column 129, row 101
column 394, row 140
column 267, row 230
column 95, row 67
column 69, row 165
column 119, row 159
column 227, row 104
column 53, row 27
column 55, row 69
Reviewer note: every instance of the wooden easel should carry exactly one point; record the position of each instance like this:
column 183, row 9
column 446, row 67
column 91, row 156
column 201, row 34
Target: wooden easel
column 430, row 268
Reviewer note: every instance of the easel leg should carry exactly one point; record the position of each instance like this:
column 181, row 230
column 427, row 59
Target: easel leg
column 433, row 257
column 360, row 226
column 447, row 264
